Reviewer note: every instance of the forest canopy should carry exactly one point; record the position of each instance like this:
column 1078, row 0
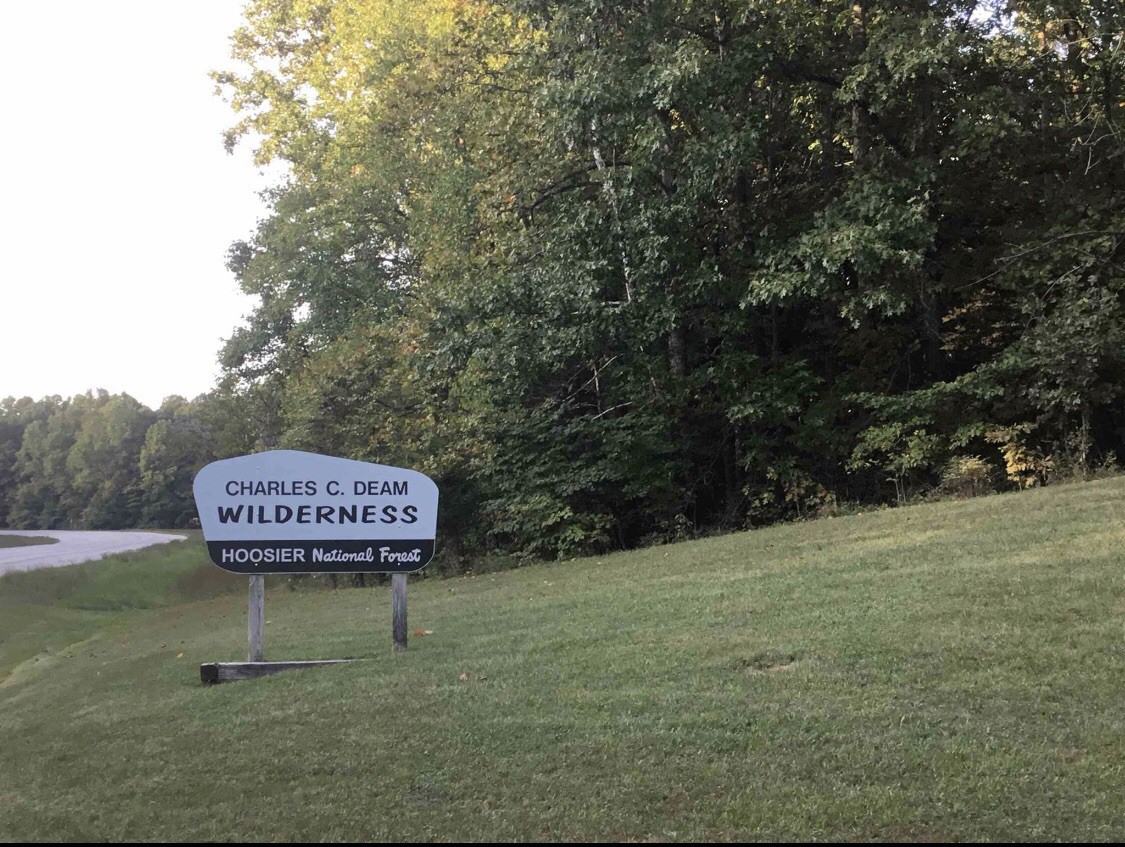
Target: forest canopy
column 616, row 272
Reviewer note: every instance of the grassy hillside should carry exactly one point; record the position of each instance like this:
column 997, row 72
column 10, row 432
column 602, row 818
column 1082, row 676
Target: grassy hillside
column 949, row 671
column 43, row 611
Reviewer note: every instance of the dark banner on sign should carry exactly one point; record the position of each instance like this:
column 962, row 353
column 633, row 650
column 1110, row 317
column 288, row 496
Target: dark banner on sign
column 335, row 556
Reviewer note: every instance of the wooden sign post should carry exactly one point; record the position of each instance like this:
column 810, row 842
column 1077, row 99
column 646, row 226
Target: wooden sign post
column 290, row 512
column 398, row 612
column 256, row 629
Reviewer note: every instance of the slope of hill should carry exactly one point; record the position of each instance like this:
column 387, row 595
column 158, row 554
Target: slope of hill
column 947, row 671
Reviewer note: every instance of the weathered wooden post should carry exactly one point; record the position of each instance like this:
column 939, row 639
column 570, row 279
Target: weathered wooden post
column 256, row 651
column 398, row 612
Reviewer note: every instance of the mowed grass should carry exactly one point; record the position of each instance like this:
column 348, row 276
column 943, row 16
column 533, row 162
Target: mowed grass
column 947, row 671
column 25, row 540
column 43, row 611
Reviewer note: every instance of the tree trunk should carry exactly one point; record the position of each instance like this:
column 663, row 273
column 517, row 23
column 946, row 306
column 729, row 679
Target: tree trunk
column 859, row 113
column 931, row 336
column 677, row 349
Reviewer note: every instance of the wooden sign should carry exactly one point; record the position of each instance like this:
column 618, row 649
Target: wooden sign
column 286, row 511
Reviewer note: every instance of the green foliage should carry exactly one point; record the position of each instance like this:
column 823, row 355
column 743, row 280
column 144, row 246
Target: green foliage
column 967, row 476
column 612, row 272
column 16, row 415
column 101, row 464
column 176, row 446
column 624, row 267
column 102, row 461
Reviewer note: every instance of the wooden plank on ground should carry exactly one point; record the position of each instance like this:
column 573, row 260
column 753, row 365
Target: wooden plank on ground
column 212, row 673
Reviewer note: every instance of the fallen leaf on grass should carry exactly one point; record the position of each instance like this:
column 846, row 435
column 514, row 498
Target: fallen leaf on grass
column 179, row 655
column 418, row 633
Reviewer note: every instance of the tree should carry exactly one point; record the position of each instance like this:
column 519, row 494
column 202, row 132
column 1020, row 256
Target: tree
column 618, row 271
column 16, row 415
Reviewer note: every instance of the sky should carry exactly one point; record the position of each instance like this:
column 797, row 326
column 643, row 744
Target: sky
column 119, row 201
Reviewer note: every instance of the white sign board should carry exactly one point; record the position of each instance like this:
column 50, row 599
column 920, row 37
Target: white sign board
column 286, row 511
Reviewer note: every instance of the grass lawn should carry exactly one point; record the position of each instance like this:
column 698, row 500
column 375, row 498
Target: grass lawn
column 25, row 540
column 44, row 611
column 946, row 671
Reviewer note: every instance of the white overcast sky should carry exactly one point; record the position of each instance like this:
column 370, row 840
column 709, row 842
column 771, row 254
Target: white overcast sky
column 119, row 201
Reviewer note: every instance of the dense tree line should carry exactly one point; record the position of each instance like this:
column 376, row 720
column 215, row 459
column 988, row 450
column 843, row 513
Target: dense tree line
column 106, row 461
column 619, row 271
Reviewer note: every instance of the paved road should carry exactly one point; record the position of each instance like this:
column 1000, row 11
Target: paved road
column 73, row 547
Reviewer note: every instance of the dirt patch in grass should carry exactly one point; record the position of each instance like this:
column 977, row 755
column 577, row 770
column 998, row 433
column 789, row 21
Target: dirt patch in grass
column 767, row 661
column 206, row 581
column 908, row 834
